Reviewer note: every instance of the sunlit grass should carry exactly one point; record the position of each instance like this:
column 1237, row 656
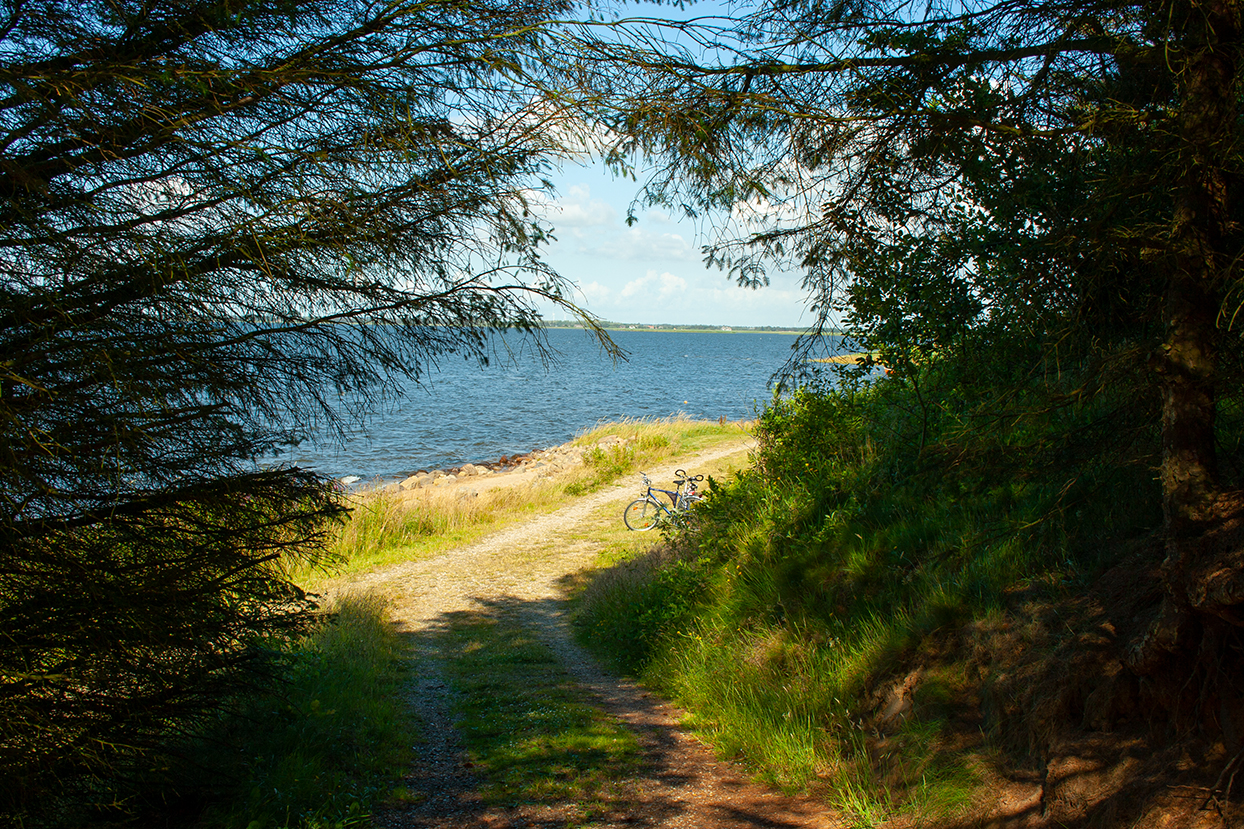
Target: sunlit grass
column 529, row 730
column 834, row 569
column 784, row 701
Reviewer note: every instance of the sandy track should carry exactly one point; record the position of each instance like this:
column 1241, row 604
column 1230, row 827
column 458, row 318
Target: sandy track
column 522, row 567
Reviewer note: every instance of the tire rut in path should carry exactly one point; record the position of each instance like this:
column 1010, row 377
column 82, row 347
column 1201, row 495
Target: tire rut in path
column 681, row 784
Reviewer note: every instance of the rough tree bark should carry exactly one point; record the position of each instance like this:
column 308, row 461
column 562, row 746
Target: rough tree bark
column 1202, row 569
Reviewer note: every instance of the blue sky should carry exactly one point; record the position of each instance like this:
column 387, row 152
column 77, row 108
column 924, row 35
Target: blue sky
column 653, row 271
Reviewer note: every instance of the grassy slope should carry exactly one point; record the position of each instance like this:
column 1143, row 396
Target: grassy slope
column 882, row 622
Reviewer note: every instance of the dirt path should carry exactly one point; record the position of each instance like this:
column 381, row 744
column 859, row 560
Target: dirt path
column 681, row 784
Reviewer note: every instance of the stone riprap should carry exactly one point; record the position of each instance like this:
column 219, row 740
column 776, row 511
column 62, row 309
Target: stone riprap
column 543, row 462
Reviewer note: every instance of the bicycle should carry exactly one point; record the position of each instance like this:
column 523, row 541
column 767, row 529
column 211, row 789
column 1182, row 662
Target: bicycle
column 646, row 512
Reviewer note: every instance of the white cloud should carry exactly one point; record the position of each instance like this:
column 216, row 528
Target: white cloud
column 638, row 243
column 574, row 138
column 594, row 292
column 663, row 286
column 579, row 209
column 575, row 209
column 765, row 212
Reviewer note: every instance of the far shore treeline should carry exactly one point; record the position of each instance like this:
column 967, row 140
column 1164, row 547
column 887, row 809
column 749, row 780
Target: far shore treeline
column 609, row 325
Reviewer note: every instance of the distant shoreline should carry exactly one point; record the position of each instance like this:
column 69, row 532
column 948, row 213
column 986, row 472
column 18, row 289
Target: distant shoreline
column 687, row 329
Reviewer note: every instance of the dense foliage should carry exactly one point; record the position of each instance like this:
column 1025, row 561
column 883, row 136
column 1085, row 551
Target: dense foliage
column 861, row 505
column 1028, row 214
column 876, row 538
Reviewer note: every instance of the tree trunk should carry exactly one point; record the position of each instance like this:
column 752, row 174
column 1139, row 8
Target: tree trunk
column 1206, row 36
column 1201, row 226
column 1189, row 471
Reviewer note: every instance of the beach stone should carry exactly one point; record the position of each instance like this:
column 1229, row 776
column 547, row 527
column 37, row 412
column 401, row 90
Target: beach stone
column 425, row 481
column 446, row 480
column 467, row 470
column 410, row 483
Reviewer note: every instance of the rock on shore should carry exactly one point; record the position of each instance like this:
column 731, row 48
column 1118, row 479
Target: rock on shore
column 542, row 462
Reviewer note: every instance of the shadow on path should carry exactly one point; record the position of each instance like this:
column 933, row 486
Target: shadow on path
column 679, row 783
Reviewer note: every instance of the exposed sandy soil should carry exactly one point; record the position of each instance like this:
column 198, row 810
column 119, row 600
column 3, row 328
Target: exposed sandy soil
column 524, row 568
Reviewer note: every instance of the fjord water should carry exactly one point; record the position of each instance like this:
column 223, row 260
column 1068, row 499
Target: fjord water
column 464, row 412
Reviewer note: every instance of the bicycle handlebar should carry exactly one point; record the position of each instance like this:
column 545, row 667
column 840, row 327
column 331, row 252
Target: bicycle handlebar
column 680, row 477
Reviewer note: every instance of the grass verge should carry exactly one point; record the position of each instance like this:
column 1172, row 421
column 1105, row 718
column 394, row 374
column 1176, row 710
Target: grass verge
column 528, row 729
column 830, row 621
column 326, row 750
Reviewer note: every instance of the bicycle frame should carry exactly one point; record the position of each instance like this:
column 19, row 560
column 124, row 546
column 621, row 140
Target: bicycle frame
column 648, row 510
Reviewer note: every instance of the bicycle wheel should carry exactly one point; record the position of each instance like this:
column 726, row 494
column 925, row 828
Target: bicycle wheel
column 641, row 514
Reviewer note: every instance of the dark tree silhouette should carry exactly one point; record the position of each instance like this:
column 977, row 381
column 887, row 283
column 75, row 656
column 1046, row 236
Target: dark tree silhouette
column 219, row 221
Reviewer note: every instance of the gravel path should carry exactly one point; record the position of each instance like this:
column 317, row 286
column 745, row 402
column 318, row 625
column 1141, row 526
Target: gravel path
column 681, row 783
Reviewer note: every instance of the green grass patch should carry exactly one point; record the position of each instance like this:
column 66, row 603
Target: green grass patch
column 528, row 728
column 387, row 527
column 329, row 745
column 603, row 465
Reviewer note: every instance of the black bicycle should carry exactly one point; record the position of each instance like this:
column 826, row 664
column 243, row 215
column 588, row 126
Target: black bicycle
column 646, row 512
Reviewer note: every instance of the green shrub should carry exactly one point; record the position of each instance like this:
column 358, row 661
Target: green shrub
column 604, row 464
column 641, row 605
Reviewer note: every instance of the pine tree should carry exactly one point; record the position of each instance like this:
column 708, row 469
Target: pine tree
column 950, row 176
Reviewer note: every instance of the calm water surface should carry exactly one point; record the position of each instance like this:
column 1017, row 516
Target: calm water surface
column 465, row 412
